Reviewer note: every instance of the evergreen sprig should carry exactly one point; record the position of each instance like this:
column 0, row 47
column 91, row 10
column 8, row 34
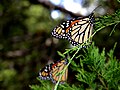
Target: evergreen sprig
column 97, row 71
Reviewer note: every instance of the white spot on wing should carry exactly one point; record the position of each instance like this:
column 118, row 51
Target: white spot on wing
column 62, row 26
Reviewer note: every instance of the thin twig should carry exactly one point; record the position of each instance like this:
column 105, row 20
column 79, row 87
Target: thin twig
column 66, row 68
column 51, row 6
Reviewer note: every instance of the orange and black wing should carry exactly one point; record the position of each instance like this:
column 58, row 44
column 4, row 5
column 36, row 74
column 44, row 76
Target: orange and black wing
column 56, row 72
column 60, row 30
column 49, row 72
column 77, row 30
column 44, row 73
column 80, row 30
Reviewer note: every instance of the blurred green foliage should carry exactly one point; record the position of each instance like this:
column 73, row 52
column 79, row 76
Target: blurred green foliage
column 26, row 45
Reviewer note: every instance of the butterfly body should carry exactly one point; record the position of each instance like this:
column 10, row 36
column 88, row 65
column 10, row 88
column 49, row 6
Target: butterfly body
column 77, row 30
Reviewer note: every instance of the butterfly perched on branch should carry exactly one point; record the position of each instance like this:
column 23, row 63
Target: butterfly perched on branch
column 49, row 72
column 77, row 30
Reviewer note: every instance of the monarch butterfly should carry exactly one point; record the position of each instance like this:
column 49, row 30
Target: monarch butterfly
column 77, row 30
column 49, row 72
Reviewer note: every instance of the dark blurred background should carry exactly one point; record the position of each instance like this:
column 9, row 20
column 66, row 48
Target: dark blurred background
column 26, row 44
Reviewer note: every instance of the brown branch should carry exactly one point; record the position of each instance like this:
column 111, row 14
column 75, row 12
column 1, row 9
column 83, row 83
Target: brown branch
column 51, row 6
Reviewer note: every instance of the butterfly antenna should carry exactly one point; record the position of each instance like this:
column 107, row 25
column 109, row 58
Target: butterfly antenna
column 96, row 8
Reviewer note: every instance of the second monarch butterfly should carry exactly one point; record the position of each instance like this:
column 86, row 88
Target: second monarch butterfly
column 49, row 72
column 77, row 30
